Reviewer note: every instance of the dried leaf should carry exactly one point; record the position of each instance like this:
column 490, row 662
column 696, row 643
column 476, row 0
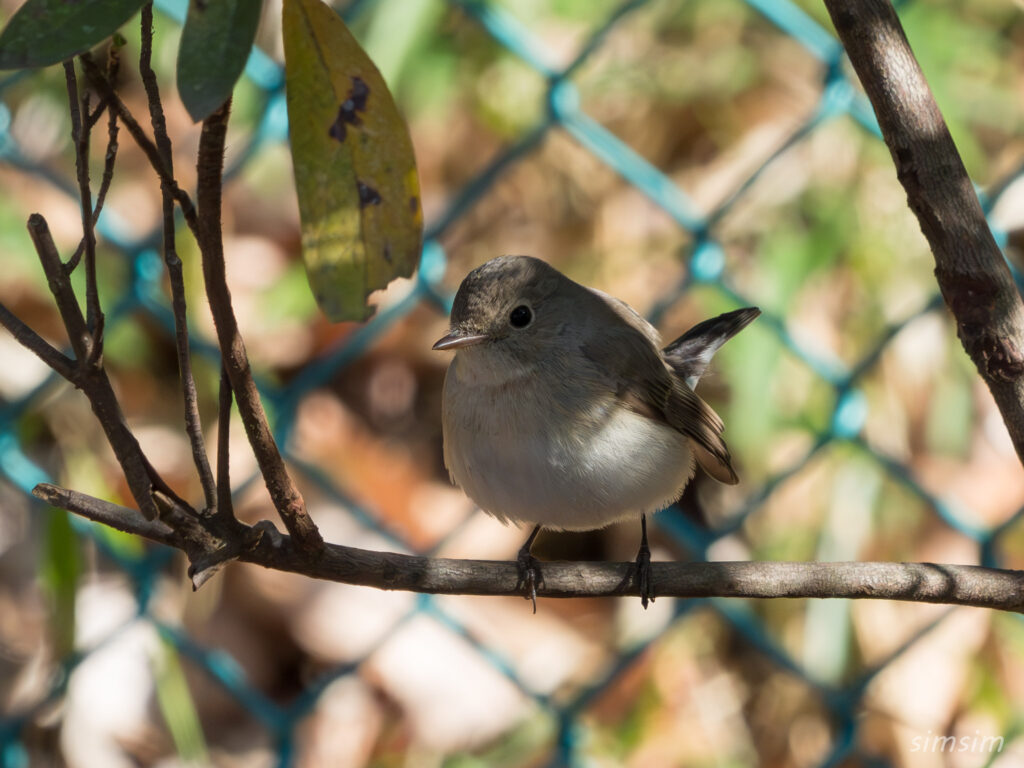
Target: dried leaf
column 355, row 172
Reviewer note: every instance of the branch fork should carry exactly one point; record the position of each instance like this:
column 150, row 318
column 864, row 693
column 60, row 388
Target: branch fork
column 212, row 536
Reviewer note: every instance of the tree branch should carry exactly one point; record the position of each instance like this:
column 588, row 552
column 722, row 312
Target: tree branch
column 287, row 499
column 60, row 286
column 913, row 582
column 225, row 507
column 89, row 376
column 80, row 132
column 99, row 81
column 36, row 344
column 193, row 423
column 108, row 172
column 974, row 280
column 972, row 275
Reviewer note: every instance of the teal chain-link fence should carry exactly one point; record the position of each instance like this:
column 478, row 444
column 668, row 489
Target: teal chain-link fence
column 707, row 268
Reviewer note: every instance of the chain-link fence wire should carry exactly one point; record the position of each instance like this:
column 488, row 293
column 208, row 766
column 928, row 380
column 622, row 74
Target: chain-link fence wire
column 707, row 268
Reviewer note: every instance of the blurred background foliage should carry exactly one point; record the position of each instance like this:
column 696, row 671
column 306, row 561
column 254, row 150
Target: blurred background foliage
column 859, row 427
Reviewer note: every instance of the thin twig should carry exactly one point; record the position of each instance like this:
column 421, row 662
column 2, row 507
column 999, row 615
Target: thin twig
column 193, row 423
column 286, row 497
column 113, row 66
column 971, row 272
column 156, row 109
column 91, row 118
column 225, row 507
column 36, row 344
column 190, row 395
column 80, row 136
column 108, row 176
column 90, row 376
column 101, row 84
column 104, row 512
column 101, row 195
column 108, row 166
column 913, row 582
column 60, row 286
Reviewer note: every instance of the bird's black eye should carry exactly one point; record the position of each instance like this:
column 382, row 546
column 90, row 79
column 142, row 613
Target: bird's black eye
column 520, row 317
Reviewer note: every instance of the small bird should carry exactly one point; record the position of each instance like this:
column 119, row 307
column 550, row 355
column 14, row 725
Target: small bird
column 562, row 410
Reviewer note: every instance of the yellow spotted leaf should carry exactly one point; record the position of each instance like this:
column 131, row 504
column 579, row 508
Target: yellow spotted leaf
column 355, row 172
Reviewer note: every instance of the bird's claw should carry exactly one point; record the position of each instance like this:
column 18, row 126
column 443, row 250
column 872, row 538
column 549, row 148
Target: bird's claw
column 643, row 576
column 529, row 576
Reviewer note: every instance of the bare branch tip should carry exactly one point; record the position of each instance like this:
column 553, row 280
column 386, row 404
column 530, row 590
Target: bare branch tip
column 47, row 492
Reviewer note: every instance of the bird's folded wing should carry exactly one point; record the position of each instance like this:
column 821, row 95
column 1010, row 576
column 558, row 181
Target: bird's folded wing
column 695, row 419
column 643, row 384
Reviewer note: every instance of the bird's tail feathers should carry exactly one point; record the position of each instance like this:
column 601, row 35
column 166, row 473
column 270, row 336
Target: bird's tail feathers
column 690, row 354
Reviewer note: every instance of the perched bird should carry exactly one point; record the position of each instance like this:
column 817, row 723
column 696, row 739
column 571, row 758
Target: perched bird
column 562, row 410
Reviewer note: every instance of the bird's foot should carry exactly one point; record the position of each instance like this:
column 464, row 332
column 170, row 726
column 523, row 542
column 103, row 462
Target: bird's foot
column 529, row 569
column 643, row 566
column 643, row 576
column 529, row 575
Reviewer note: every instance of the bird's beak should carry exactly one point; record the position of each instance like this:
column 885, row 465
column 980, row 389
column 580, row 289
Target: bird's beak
column 458, row 339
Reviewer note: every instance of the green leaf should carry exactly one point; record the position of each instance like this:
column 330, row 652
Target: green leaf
column 215, row 45
column 45, row 32
column 60, row 571
column 355, row 172
column 177, row 705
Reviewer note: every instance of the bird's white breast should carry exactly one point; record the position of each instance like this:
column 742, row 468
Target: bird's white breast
column 523, row 451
